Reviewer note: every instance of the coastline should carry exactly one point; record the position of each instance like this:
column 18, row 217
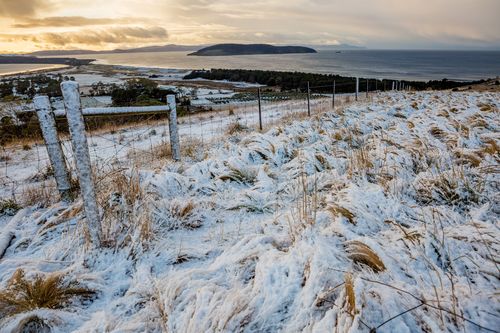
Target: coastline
column 39, row 70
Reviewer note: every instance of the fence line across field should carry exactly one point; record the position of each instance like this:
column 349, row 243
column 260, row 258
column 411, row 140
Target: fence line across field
column 260, row 110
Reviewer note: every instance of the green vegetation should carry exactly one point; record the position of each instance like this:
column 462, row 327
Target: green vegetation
column 139, row 92
column 287, row 81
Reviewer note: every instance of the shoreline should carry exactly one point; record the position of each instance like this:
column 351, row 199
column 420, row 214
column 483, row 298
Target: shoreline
column 35, row 71
column 177, row 74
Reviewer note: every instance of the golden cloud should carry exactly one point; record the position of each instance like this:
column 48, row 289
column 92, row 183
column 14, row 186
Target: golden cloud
column 22, row 8
column 73, row 21
column 112, row 35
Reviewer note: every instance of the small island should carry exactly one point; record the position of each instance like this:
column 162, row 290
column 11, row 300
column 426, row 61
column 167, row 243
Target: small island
column 249, row 49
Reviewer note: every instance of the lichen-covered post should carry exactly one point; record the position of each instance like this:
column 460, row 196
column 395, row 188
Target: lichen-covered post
column 357, row 88
column 333, row 96
column 308, row 100
column 76, row 125
column 175, row 146
column 260, row 108
column 56, row 156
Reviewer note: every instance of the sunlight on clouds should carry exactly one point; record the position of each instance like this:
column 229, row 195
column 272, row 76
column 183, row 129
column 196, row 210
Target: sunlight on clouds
column 101, row 24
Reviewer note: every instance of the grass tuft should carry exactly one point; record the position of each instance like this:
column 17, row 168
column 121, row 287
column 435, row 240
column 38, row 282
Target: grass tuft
column 338, row 210
column 50, row 292
column 363, row 254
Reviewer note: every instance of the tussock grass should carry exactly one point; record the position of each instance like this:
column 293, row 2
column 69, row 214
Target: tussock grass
column 359, row 161
column 339, row 210
column 9, row 207
column 437, row 132
column 177, row 214
column 239, row 173
column 490, row 146
column 363, row 254
column 235, row 128
column 125, row 218
column 50, row 291
column 454, row 187
column 41, row 195
column 486, row 107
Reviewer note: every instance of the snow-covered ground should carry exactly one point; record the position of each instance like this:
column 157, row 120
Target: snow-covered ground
column 336, row 223
column 21, row 168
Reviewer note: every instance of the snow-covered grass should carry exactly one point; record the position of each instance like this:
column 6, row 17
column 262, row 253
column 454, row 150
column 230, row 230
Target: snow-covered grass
column 336, row 223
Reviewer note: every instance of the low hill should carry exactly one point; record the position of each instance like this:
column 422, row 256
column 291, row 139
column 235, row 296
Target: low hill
column 248, row 49
column 8, row 59
column 155, row 48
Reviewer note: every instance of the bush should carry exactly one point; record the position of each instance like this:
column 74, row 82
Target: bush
column 139, row 92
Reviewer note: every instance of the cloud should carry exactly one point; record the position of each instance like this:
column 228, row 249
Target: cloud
column 112, row 35
column 22, row 8
column 74, row 21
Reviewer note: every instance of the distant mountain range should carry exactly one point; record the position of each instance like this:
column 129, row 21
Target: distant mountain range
column 156, row 48
column 183, row 48
column 17, row 59
column 248, row 49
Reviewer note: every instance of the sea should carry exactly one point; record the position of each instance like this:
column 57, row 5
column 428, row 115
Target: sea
column 413, row 65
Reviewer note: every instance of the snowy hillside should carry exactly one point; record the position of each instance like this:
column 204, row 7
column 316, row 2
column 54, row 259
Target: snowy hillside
column 332, row 224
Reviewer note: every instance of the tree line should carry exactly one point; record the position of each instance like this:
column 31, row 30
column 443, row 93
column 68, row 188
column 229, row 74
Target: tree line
column 297, row 81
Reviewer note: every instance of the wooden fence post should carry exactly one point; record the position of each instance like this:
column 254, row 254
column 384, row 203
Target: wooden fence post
column 333, row 96
column 54, row 149
column 308, row 100
column 81, row 154
column 175, row 146
column 357, row 88
column 367, row 82
column 260, row 109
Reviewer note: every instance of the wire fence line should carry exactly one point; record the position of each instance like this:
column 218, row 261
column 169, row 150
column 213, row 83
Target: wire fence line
column 146, row 141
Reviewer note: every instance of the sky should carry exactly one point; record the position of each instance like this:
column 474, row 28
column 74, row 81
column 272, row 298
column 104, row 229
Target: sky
column 31, row 25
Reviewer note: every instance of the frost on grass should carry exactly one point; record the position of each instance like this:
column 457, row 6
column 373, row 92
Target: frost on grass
column 333, row 224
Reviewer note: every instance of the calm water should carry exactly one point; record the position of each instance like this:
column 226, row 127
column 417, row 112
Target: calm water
column 414, row 65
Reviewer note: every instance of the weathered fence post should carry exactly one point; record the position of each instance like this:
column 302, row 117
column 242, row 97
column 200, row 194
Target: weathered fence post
column 357, row 88
column 367, row 83
column 308, row 100
column 260, row 109
column 175, row 146
column 56, row 156
column 333, row 96
column 81, row 154
column 392, row 86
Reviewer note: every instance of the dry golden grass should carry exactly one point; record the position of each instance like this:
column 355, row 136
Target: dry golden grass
column 338, row 210
column 42, row 195
column 235, row 128
column 179, row 214
column 468, row 157
column 437, row 132
column 363, row 254
column 350, row 296
column 477, row 120
column 490, row 146
column 120, row 195
column 51, row 292
column 486, row 107
column 359, row 161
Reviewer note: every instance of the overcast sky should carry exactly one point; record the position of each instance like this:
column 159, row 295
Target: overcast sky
column 28, row 25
